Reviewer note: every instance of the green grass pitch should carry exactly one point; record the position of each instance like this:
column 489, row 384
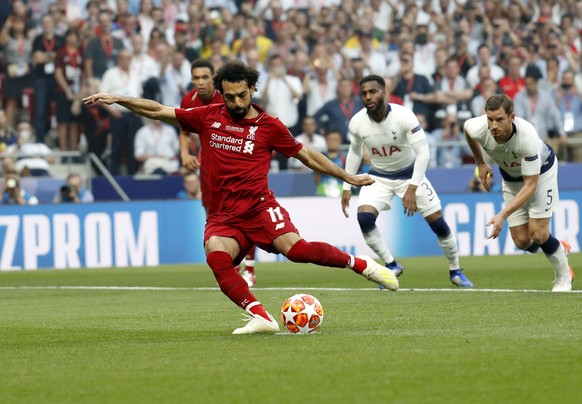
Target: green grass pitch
column 164, row 335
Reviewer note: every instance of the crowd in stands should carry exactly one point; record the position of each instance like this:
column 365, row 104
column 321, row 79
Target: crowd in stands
column 441, row 58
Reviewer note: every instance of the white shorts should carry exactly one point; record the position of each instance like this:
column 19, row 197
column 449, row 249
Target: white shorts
column 380, row 194
column 542, row 203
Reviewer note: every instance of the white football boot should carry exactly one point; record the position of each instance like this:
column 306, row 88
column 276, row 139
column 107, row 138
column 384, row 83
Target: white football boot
column 257, row 324
column 563, row 281
column 379, row 274
column 249, row 278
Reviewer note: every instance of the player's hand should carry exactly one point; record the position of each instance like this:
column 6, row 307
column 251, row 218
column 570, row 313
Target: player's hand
column 409, row 201
column 497, row 223
column 190, row 162
column 346, row 195
column 102, row 98
column 360, row 180
column 485, row 175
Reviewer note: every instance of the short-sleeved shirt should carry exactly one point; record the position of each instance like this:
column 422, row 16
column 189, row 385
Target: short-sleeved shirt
column 192, row 100
column 237, row 154
column 523, row 154
column 103, row 53
column 41, row 44
column 390, row 141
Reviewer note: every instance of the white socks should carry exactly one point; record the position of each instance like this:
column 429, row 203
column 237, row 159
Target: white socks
column 375, row 242
column 449, row 247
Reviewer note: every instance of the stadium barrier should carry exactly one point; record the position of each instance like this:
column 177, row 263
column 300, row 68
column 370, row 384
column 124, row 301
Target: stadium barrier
column 134, row 234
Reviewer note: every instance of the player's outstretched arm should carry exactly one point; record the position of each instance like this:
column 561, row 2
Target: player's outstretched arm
column 140, row 106
column 318, row 162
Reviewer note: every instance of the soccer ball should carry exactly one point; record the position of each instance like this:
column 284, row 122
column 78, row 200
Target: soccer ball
column 302, row 314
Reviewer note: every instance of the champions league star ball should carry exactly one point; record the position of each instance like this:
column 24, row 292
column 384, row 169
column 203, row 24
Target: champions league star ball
column 302, row 314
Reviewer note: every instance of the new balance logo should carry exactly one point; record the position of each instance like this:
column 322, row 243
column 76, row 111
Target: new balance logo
column 249, row 147
column 279, row 226
column 216, row 125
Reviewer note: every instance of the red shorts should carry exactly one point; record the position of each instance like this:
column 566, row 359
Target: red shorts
column 259, row 226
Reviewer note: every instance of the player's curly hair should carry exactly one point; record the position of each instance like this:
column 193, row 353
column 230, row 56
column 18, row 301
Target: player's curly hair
column 374, row 77
column 234, row 72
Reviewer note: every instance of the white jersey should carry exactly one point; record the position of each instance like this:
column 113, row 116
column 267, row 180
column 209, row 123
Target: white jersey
column 394, row 144
column 523, row 154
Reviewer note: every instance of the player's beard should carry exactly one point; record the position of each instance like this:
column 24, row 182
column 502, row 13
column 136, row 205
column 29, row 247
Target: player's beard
column 240, row 113
column 374, row 110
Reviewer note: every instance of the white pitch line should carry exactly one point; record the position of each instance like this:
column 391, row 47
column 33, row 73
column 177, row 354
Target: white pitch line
column 156, row 288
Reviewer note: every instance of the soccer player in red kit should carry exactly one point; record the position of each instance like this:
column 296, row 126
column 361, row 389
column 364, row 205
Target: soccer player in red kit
column 239, row 138
column 202, row 94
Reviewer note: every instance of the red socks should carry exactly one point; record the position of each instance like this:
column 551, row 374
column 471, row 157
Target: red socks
column 325, row 254
column 232, row 283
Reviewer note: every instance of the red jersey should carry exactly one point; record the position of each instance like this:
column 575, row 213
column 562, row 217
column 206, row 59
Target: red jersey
column 237, row 154
column 192, row 100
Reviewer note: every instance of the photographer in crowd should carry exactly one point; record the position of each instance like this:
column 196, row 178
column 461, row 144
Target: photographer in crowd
column 73, row 191
column 12, row 194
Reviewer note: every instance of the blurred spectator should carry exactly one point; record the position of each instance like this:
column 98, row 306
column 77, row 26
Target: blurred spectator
column 157, row 148
column 570, row 107
column 145, row 20
column 431, row 140
column 414, row 89
column 309, row 137
column 44, row 52
column 551, row 82
column 389, row 92
column 336, row 114
column 33, row 164
column 488, row 88
column 538, row 108
column 175, row 80
column 181, row 41
column 281, row 93
column 58, row 11
column 17, row 54
column 449, row 156
column 95, row 122
column 73, row 191
column 513, row 82
column 251, row 58
column 578, row 77
column 326, row 185
column 69, row 62
column 124, row 124
column 102, row 51
column 7, row 135
column 319, row 85
column 484, row 59
column 424, row 52
column 142, row 64
column 461, row 53
column 367, row 50
column 128, row 28
column 191, row 185
column 13, row 194
column 455, row 94
column 252, row 40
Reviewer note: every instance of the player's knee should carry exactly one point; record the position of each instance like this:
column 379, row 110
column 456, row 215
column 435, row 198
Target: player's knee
column 367, row 221
column 440, row 227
